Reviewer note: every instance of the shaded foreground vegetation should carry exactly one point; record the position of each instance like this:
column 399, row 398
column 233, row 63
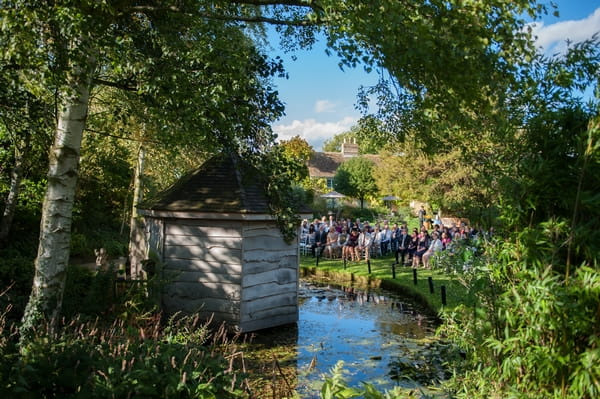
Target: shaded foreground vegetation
column 119, row 348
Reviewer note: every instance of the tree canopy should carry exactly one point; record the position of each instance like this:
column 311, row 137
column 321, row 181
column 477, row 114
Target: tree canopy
column 354, row 178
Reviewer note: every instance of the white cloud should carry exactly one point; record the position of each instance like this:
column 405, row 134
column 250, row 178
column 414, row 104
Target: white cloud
column 324, row 106
column 314, row 132
column 553, row 38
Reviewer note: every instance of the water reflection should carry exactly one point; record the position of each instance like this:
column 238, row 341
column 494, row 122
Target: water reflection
column 369, row 330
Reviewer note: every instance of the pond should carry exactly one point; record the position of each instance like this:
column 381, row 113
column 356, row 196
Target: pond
column 381, row 337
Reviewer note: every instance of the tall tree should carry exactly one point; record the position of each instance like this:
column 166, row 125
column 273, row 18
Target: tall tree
column 145, row 50
column 441, row 62
column 354, row 178
column 298, row 150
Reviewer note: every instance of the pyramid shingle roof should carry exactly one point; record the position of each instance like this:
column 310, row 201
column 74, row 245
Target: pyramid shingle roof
column 223, row 184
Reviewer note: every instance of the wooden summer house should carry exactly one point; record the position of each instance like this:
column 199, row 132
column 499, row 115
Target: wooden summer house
column 221, row 250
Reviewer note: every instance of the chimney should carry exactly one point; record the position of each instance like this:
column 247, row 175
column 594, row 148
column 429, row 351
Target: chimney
column 349, row 150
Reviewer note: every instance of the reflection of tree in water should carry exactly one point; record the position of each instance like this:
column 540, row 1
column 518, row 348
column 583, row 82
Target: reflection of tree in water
column 404, row 318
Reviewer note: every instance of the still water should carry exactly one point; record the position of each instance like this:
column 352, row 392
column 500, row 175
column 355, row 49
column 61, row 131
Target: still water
column 380, row 336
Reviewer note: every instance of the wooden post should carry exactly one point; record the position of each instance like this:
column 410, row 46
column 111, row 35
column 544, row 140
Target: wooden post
column 344, row 263
column 394, row 270
column 443, row 289
column 369, row 265
column 430, row 279
column 415, row 276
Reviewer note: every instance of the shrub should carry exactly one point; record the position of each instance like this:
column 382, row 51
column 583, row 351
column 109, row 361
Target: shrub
column 533, row 334
column 92, row 360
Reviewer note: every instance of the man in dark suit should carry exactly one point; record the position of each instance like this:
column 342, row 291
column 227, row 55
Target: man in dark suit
column 320, row 241
column 403, row 241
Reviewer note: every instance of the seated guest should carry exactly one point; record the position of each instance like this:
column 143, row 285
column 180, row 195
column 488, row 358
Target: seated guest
column 320, row 241
column 446, row 239
column 422, row 247
column 331, row 245
column 364, row 244
column 376, row 240
column 403, row 242
column 412, row 246
column 386, row 239
column 342, row 238
column 304, row 228
column 434, row 247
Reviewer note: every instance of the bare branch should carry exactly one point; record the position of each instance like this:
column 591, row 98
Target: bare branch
column 252, row 19
column 294, row 3
column 266, row 20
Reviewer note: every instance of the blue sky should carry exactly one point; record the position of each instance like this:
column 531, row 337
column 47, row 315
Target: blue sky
column 320, row 98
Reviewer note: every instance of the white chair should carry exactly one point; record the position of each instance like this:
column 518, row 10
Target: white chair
column 304, row 247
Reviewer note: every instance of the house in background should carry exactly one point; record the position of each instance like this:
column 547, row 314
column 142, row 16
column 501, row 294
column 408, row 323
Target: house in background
column 324, row 165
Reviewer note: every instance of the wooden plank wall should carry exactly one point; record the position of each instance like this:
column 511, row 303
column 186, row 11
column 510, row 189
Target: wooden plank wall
column 154, row 236
column 269, row 279
column 204, row 260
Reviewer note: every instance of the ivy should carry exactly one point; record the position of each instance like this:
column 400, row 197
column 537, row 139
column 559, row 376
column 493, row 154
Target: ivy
column 280, row 171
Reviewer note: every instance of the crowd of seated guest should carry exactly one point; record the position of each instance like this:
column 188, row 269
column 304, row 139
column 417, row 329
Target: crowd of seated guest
column 357, row 240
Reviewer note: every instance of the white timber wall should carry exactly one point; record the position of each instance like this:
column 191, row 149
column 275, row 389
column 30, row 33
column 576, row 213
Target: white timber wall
column 203, row 261
column 269, row 279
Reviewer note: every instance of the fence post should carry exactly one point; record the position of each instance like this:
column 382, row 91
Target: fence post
column 430, row 279
column 394, row 270
column 415, row 276
column 443, row 289
column 369, row 265
column 344, row 263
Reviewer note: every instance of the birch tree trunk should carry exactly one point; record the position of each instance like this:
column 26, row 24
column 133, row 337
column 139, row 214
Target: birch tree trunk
column 13, row 195
column 45, row 301
column 136, row 233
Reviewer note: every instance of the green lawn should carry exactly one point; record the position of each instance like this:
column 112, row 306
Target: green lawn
column 381, row 275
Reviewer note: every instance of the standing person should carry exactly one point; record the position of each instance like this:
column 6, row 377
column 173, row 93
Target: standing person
column 395, row 235
column 403, row 245
column 310, row 236
column 421, row 215
column 348, row 252
column 412, row 246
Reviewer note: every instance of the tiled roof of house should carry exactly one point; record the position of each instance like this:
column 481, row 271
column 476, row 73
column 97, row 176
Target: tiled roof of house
column 325, row 164
column 223, row 184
